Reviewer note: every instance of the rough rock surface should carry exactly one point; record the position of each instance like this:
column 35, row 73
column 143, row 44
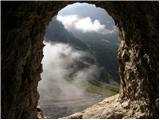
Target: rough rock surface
column 23, row 26
column 112, row 107
column 40, row 114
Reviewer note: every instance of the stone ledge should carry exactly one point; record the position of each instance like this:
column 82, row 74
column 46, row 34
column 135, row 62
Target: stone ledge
column 112, row 108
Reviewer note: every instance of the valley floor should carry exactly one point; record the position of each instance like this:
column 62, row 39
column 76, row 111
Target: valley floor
column 61, row 107
column 64, row 107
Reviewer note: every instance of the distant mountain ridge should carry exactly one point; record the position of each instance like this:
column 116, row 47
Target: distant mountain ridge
column 57, row 33
column 104, row 51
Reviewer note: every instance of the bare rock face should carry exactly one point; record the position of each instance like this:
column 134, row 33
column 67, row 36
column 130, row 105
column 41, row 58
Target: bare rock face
column 23, row 26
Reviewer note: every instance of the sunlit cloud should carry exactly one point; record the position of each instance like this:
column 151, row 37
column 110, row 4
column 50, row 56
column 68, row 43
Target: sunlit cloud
column 68, row 20
column 87, row 25
column 84, row 24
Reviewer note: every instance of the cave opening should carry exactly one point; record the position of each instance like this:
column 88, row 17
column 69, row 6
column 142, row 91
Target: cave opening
column 80, row 65
column 23, row 25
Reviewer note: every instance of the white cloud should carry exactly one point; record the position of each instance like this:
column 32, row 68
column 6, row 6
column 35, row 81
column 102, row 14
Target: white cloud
column 84, row 24
column 87, row 25
column 59, row 62
column 68, row 20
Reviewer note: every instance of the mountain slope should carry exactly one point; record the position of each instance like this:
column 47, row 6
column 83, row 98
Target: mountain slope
column 57, row 33
column 103, row 48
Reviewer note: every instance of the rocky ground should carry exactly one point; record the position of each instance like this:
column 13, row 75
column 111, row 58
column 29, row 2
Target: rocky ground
column 112, row 107
column 61, row 106
column 97, row 110
column 64, row 107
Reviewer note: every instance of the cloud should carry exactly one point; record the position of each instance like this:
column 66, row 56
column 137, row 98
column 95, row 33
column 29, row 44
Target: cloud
column 68, row 20
column 85, row 24
column 63, row 72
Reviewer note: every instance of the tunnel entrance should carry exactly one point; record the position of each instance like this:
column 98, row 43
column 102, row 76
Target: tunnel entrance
column 80, row 60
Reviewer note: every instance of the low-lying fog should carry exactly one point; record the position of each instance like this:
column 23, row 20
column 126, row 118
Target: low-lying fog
column 64, row 69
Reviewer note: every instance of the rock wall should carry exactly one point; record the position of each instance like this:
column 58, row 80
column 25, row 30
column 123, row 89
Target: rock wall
column 23, row 26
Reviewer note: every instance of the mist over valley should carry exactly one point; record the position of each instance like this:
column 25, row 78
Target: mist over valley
column 80, row 65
